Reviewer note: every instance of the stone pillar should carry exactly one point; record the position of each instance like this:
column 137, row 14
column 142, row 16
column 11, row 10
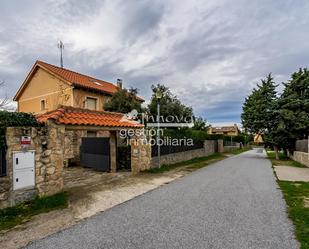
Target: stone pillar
column 220, row 146
column 140, row 155
column 49, row 164
column 113, row 151
column 209, row 147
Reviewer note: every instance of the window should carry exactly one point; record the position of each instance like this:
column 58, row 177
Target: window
column 91, row 103
column 91, row 133
column 43, row 105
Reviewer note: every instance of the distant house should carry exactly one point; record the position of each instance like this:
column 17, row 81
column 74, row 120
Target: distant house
column 224, row 130
column 47, row 87
column 258, row 138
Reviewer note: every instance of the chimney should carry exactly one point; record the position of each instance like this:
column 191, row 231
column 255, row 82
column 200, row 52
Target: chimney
column 119, row 83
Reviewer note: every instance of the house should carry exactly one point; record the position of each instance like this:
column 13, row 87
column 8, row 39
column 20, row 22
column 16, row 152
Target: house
column 75, row 130
column 224, row 130
column 81, row 127
column 75, row 101
column 47, row 87
column 258, row 138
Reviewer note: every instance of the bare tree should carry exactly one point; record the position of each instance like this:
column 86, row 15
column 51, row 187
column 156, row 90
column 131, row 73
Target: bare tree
column 4, row 102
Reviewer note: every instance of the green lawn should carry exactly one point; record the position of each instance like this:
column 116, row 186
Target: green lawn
column 296, row 195
column 283, row 160
column 12, row 216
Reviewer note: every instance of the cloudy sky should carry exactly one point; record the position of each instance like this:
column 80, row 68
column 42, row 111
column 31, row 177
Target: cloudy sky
column 210, row 53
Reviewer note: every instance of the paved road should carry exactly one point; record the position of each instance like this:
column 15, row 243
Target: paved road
column 234, row 203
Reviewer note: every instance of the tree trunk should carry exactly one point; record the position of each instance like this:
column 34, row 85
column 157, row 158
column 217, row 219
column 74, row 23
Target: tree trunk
column 276, row 152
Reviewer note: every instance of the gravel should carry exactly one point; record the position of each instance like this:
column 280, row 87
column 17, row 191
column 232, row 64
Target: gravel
column 234, row 203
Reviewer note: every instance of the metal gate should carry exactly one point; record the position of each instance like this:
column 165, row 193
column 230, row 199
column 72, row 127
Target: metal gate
column 2, row 161
column 95, row 153
column 124, row 158
column 216, row 146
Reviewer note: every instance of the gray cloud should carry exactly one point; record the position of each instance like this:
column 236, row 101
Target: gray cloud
column 211, row 54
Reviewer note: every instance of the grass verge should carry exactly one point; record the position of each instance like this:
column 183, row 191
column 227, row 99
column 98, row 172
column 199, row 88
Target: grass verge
column 296, row 195
column 194, row 163
column 12, row 216
column 283, row 160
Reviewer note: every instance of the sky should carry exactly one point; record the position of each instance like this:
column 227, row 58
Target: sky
column 209, row 53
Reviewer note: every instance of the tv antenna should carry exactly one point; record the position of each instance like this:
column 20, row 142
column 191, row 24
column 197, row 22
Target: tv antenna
column 61, row 47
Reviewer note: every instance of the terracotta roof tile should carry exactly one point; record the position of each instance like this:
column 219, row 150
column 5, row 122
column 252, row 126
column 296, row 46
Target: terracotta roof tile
column 81, row 80
column 77, row 116
column 225, row 129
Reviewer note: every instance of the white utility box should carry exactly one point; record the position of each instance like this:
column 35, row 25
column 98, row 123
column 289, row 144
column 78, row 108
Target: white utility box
column 23, row 169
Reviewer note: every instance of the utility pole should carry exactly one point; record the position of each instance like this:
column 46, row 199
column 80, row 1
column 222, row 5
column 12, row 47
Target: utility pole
column 61, row 47
column 159, row 95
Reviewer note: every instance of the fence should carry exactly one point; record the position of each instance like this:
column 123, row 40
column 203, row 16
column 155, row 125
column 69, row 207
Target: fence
column 230, row 143
column 302, row 145
column 124, row 158
column 170, row 149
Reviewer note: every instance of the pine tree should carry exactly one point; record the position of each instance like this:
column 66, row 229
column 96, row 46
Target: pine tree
column 294, row 109
column 259, row 107
column 260, row 111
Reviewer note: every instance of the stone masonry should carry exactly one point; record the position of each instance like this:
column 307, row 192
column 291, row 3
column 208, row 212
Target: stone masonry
column 47, row 143
column 140, row 155
column 302, row 157
column 208, row 149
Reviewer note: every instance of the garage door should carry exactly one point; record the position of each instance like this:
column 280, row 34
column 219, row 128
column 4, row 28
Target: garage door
column 95, row 153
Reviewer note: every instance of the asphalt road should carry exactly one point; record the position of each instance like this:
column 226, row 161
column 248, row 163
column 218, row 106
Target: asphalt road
column 234, row 203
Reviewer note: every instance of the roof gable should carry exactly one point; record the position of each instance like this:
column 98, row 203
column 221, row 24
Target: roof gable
column 81, row 80
column 70, row 77
column 225, row 129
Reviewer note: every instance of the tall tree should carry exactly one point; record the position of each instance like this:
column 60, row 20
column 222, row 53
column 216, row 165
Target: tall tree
column 259, row 107
column 124, row 101
column 294, row 109
column 170, row 105
column 282, row 120
column 200, row 124
column 260, row 112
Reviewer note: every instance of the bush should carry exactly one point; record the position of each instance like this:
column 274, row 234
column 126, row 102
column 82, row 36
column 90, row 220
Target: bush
column 10, row 119
column 200, row 135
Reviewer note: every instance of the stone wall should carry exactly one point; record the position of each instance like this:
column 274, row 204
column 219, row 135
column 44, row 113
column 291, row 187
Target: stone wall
column 47, row 143
column 301, row 157
column 208, row 149
column 231, row 148
column 73, row 141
